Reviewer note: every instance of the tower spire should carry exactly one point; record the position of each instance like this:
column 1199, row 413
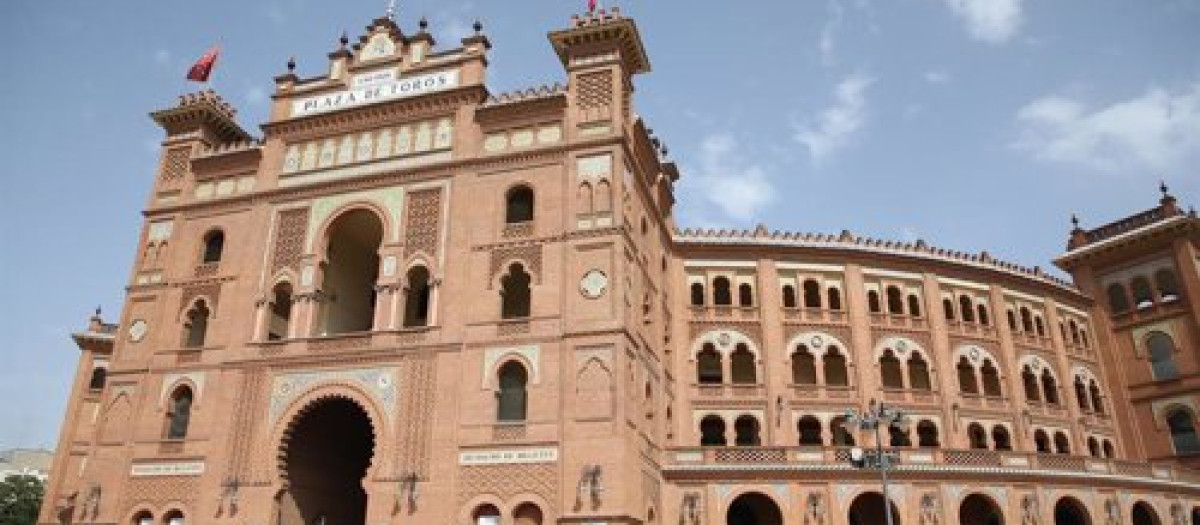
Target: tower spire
column 391, row 10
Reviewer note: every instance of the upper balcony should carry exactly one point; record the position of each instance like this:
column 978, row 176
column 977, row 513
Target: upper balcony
column 723, row 314
column 814, row 316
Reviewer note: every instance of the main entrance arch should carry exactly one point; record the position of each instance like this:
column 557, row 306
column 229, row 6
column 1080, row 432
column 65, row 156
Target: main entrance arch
column 1143, row 514
column 978, row 509
column 325, row 455
column 867, row 509
column 753, row 508
column 1069, row 511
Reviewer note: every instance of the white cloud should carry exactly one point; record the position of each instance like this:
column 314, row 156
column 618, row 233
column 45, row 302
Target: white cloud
column 737, row 186
column 1158, row 131
column 826, row 43
column 992, row 21
column 833, row 128
column 162, row 57
column 937, row 76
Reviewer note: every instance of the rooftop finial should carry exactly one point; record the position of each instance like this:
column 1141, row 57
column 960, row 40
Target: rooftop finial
column 391, row 10
column 423, row 24
column 291, row 64
column 344, row 39
column 97, row 311
column 1162, row 186
column 1075, row 221
column 478, row 26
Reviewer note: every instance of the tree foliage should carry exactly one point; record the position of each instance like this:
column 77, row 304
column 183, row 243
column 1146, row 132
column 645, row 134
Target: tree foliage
column 20, row 498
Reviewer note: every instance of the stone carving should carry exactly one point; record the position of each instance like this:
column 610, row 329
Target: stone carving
column 420, row 396
column 593, row 284
column 378, row 382
column 1112, row 511
column 421, row 226
column 930, row 510
column 117, row 419
column 595, row 95
column 137, row 330
column 390, row 200
column 211, row 291
column 593, row 390
column 529, row 254
column 175, row 164
column 493, row 356
column 159, row 491
column 1029, row 510
column 814, row 509
column 507, row 481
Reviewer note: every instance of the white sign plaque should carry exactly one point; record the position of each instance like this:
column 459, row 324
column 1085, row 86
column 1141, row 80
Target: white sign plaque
column 508, row 456
column 193, row 468
column 401, row 88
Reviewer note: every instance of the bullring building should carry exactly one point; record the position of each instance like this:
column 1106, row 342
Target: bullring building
column 413, row 301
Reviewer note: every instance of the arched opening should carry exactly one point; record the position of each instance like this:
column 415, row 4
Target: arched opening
column 927, row 434
column 351, row 269
column 281, row 312
column 895, row 301
column 868, row 509
column 195, row 329
column 697, row 294
column 486, row 514
column 948, row 309
column 1143, row 296
column 804, row 367
column 1073, row 329
column 918, row 373
column 898, row 437
column 834, row 365
column 978, row 509
column 812, row 294
column 841, row 435
column 753, row 508
column 835, row 298
column 978, row 436
column 966, row 376
column 587, row 199
column 1081, row 394
column 1168, row 288
column 1143, row 514
column 967, row 309
column 1093, row 447
column 991, row 379
column 746, row 431
column 873, row 302
column 518, row 205
column 179, row 413
column 512, row 398
column 174, row 517
column 741, row 366
column 1118, row 300
column 214, row 247
column 789, row 296
column 1039, row 326
column 1069, row 511
column 1062, row 444
column 1029, row 380
column 416, row 297
column 1183, row 431
column 99, row 376
column 983, row 315
column 142, row 518
column 1041, row 441
column 1026, row 320
column 1196, row 516
column 325, row 459
column 1049, row 387
column 708, row 365
column 527, row 514
column 722, row 295
column 809, row 429
column 515, row 293
column 1110, row 452
column 712, row 432
column 1097, row 403
column 1000, row 438
column 745, row 295
column 914, row 305
column 1012, row 320
column 889, row 370
column 1161, row 350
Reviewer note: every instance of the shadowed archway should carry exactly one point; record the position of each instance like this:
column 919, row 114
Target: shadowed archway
column 1143, row 514
column 867, row 509
column 1069, row 511
column 325, row 456
column 753, row 508
column 978, row 509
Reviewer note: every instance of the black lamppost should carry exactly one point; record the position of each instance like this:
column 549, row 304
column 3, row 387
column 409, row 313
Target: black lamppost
column 877, row 416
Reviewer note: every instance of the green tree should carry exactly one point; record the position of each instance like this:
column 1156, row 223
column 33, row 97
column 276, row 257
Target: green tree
column 20, row 499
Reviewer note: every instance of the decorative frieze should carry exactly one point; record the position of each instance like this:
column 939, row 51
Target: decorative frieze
column 379, row 144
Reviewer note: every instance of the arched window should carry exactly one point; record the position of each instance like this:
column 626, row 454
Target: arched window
column 1110, row 452
column 697, row 294
column 1183, row 431
column 1029, row 380
column 1049, row 387
column 527, row 514
column 1081, row 394
column 804, row 366
column 1097, row 404
column 889, row 370
column 1118, row 301
column 1168, row 289
column 742, row 367
column 1026, row 320
column 1143, row 296
column 519, row 205
column 214, row 246
column 914, row 305
column 708, row 365
column 281, row 312
column 1012, row 321
column 174, row 517
column 512, row 398
column 918, row 373
column 1074, row 331
column 967, row 309
column 746, row 432
column 789, row 296
column 873, row 301
column 486, row 514
column 834, row 365
column 948, row 309
column 722, row 295
column 1041, row 441
column 898, row 437
column 812, row 294
column 416, row 297
column 978, row 436
column 1000, row 438
column 143, row 518
column 99, row 375
column 1040, row 326
column 841, row 435
column 1062, row 445
column 966, row 377
column 982, row 312
column 179, row 413
column 1093, row 447
column 745, row 295
column 515, row 293
column 1161, row 350
column 835, row 298
column 809, row 429
column 927, row 434
column 196, row 328
column 895, row 301
column 712, row 432
column 991, row 379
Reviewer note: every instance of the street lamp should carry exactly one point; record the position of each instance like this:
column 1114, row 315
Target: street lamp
column 876, row 417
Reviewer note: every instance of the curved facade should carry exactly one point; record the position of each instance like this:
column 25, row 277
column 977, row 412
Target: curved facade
column 412, row 301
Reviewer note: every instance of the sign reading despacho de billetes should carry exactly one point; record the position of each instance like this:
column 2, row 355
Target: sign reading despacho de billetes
column 508, row 456
column 193, row 468
column 401, row 88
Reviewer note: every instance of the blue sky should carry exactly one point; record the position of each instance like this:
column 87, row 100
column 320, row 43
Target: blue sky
column 972, row 124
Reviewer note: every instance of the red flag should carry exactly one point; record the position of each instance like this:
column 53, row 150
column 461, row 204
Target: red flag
column 591, row 6
column 203, row 67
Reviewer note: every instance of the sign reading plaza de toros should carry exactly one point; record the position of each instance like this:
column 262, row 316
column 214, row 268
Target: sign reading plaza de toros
column 400, row 88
